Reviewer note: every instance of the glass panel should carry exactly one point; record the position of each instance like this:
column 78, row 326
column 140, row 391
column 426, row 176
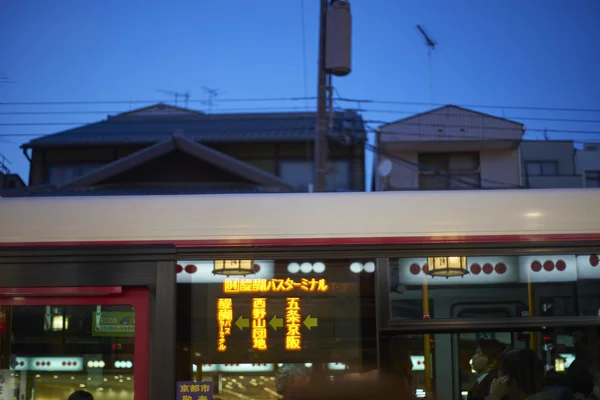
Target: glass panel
column 307, row 319
column 462, row 366
column 498, row 286
column 592, row 179
column 300, row 174
column 433, row 161
column 48, row 352
column 62, row 174
column 550, row 168
column 533, row 168
column 464, row 162
column 433, row 182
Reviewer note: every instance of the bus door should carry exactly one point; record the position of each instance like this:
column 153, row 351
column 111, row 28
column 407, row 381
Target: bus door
column 54, row 341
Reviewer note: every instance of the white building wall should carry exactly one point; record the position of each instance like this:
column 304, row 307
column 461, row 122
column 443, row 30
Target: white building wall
column 403, row 176
column 587, row 159
column 451, row 124
column 499, row 169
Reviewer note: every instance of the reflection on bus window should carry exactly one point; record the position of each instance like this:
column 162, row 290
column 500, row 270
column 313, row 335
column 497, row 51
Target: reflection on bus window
column 465, row 365
column 505, row 286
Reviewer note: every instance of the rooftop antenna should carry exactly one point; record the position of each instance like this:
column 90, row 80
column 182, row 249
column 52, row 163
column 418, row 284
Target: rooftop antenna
column 185, row 95
column 4, row 79
column 211, row 94
column 431, row 44
column 4, row 164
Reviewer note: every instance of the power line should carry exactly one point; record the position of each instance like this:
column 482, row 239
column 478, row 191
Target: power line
column 98, row 102
column 405, row 123
column 116, row 112
column 526, row 118
column 306, row 108
column 303, row 98
column 348, row 131
column 422, row 167
column 415, row 103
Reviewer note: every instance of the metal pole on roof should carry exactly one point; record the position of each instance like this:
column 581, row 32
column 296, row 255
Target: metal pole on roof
column 320, row 150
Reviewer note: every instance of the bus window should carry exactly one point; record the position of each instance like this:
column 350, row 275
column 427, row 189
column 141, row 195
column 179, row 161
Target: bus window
column 462, row 366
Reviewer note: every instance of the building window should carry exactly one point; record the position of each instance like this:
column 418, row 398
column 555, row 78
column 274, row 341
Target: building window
column 301, row 173
column 63, row 174
column 592, row 179
column 546, row 168
column 439, row 171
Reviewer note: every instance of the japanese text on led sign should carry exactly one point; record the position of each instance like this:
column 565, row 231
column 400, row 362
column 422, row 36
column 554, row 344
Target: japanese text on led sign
column 195, row 391
column 259, row 324
column 293, row 337
column 232, row 286
column 224, row 321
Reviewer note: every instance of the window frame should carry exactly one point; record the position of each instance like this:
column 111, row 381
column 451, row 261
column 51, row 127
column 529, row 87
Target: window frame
column 72, row 167
column 540, row 164
column 450, row 176
column 595, row 178
column 346, row 164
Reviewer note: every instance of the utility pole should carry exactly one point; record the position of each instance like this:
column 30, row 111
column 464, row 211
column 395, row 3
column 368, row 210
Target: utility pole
column 320, row 162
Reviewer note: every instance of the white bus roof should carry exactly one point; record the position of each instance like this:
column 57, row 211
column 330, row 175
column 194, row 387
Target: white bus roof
column 305, row 218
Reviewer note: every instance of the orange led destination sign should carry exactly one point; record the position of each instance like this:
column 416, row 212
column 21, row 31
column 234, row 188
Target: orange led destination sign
column 259, row 322
column 232, row 286
column 224, row 321
column 293, row 337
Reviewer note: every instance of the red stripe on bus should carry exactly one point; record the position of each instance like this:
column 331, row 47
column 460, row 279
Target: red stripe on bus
column 405, row 240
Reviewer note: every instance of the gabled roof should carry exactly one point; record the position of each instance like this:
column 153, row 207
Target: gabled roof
column 448, row 108
column 179, row 142
column 159, row 109
column 145, row 127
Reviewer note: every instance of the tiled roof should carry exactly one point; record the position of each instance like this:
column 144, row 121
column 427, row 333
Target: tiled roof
column 140, row 129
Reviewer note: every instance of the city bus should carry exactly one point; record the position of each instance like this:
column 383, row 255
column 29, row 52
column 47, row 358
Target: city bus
column 132, row 295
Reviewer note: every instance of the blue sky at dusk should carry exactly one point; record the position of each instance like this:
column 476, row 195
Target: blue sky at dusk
column 530, row 53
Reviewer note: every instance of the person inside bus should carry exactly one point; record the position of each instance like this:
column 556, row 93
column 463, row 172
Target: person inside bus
column 581, row 371
column 485, row 362
column 291, row 379
column 81, row 395
column 520, row 377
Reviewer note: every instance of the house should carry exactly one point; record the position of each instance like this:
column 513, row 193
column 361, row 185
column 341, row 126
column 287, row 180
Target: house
column 549, row 164
column 587, row 165
column 9, row 180
column 167, row 149
column 449, row 148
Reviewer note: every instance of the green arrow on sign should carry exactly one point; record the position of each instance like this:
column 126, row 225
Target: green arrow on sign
column 242, row 323
column 311, row 322
column 276, row 322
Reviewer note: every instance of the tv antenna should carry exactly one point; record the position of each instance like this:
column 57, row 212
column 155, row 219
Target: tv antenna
column 4, row 164
column 211, row 94
column 4, row 79
column 176, row 95
column 431, row 44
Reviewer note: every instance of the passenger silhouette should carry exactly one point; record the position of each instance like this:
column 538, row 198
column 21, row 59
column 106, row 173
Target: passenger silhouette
column 81, row 395
column 485, row 362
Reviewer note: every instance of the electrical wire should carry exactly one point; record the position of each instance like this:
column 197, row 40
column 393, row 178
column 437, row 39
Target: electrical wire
column 116, row 112
column 420, row 167
column 508, row 107
column 303, row 98
column 150, row 102
column 451, row 114
column 208, row 119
